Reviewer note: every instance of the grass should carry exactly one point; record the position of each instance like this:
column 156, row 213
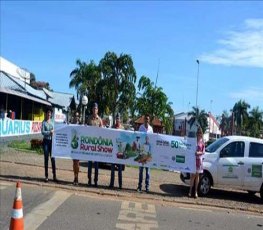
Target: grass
column 24, row 145
column 19, row 145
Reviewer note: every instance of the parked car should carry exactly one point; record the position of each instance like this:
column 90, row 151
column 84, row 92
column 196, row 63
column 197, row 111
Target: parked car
column 232, row 161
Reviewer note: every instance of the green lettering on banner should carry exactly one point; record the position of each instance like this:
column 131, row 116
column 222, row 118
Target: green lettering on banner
column 174, row 144
column 180, row 159
column 95, row 140
column 256, row 171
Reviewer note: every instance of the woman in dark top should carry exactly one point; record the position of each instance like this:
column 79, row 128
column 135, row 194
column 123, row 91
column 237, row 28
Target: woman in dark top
column 47, row 132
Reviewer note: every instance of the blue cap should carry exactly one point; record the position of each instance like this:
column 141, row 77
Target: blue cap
column 95, row 105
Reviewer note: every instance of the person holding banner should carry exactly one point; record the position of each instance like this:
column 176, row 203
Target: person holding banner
column 94, row 120
column 200, row 150
column 47, row 132
column 147, row 129
column 76, row 120
column 117, row 125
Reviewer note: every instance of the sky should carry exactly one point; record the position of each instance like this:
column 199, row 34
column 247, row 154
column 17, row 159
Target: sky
column 164, row 38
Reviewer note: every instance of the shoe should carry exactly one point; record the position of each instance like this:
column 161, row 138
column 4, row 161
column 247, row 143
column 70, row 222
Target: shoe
column 120, row 187
column 147, row 190
column 75, row 182
column 196, row 195
column 139, row 190
column 95, row 185
column 89, row 183
column 111, row 186
column 46, row 179
column 189, row 194
column 55, row 179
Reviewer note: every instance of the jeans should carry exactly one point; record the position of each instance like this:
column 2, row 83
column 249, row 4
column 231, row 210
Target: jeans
column 147, row 178
column 47, row 146
column 113, row 174
column 96, row 166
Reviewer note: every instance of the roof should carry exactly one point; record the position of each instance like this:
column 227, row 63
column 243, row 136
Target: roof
column 155, row 121
column 11, row 85
column 61, row 99
column 181, row 116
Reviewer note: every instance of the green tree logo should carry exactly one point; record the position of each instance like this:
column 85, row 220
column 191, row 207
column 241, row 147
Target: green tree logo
column 74, row 140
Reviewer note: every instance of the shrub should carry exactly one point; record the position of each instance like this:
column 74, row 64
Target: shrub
column 36, row 144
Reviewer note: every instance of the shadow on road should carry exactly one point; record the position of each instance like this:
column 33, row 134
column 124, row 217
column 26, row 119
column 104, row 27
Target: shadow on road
column 215, row 194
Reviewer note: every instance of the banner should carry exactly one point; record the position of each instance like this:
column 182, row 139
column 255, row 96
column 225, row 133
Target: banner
column 124, row 147
column 10, row 127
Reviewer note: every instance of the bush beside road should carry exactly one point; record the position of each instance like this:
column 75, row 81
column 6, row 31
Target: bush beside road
column 165, row 186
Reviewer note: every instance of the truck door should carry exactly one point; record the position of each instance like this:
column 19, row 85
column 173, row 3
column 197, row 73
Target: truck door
column 231, row 164
column 254, row 167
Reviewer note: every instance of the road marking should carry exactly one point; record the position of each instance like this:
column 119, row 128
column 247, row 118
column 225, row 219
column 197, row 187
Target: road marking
column 196, row 209
column 134, row 215
column 4, row 185
column 41, row 212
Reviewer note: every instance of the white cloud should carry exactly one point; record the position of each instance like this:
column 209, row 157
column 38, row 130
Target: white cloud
column 243, row 47
column 251, row 95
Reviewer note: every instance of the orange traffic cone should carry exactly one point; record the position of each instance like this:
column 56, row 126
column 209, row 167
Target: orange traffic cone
column 17, row 220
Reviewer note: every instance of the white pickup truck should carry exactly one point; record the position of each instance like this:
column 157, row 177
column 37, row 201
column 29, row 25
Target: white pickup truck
column 232, row 161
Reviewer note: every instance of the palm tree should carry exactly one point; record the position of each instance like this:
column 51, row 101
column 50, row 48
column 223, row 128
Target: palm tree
column 84, row 78
column 255, row 123
column 225, row 124
column 153, row 101
column 200, row 117
column 240, row 114
column 119, row 77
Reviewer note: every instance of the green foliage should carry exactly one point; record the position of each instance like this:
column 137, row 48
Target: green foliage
column 19, row 144
column 118, row 79
column 200, row 117
column 240, row 114
column 85, row 78
column 255, row 122
column 153, row 101
column 27, row 146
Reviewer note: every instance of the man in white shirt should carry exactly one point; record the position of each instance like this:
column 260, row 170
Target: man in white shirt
column 147, row 129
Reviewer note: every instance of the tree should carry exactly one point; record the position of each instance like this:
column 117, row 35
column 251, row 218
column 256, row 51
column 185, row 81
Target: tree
column 118, row 77
column 255, row 122
column 240, row 114
column 200, row 117
column 85, row 78
column 225, row 124
column 153, row 101
column 32, row 78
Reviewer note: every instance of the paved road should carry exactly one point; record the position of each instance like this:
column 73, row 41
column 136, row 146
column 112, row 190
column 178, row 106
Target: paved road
column 165, row 186
column 50, row 208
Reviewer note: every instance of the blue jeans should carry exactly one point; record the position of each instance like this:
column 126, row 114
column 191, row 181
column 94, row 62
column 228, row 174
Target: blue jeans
column 47, row 146
column 147, row 178
column 113, row 174
column 96, row 166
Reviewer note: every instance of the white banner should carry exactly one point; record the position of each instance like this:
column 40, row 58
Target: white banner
column 124, row 147
column 10, row 127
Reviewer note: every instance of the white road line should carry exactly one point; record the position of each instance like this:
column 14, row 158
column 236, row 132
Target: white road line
column 134, row 215
column 4, row 185
column 40, row 213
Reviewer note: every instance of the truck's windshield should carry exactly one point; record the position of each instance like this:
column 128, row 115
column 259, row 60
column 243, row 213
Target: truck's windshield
column 215, row 145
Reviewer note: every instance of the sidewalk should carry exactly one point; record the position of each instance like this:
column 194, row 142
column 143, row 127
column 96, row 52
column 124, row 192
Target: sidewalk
column 165, row 186
column 162, row 182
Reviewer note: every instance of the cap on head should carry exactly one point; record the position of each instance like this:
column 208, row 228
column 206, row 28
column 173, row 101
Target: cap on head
column 95, row 105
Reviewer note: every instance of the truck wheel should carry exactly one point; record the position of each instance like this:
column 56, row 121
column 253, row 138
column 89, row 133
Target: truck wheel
column 251, row 193
column 204, row 184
